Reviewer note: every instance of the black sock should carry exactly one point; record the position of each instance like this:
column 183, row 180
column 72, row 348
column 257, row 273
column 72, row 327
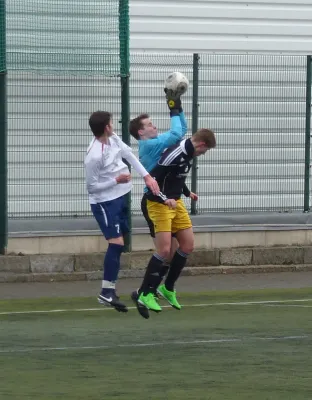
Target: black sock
column 177, row 264
column 152, row 274
column 162, row 273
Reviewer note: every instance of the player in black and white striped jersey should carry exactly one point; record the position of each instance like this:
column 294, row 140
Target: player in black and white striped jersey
column 170, row 216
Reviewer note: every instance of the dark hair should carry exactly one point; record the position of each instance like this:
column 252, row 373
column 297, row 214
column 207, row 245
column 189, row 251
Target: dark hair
column 205, row 135
column 98, row 122
column 136, row 124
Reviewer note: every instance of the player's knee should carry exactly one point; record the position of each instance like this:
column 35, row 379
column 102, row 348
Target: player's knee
column 187, row 244
column 164, row 252
column 163, row 244
column 187, row 248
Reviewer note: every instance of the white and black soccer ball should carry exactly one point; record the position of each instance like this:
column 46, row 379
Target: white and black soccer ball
column 177, row 82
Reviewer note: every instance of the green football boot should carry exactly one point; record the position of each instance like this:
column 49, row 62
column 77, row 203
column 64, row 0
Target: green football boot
column 169, row 296
column 149, row 301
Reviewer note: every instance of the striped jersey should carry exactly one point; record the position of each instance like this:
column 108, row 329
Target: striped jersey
column 172, row 170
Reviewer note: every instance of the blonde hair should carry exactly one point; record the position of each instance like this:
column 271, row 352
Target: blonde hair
column 206, row 136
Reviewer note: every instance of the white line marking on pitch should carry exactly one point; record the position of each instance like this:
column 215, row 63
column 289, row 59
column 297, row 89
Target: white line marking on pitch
column 288, row 305
column 104, row 308
column 155, row 344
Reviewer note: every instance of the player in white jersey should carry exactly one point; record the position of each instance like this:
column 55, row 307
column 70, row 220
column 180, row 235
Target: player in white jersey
column 108, row 180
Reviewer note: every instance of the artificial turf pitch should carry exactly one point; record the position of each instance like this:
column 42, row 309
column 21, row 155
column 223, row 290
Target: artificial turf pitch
column 207, row 351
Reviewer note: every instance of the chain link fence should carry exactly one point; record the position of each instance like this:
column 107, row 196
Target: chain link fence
column 64, row 60
column 256, row 104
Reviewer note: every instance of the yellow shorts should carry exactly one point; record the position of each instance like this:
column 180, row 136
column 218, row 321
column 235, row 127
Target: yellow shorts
column 168, row 220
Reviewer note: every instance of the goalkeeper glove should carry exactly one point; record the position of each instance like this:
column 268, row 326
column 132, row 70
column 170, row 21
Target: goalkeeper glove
column 173, row 102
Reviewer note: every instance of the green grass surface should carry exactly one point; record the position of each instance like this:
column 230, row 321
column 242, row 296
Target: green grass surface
column 50, row 303
column 215, row 352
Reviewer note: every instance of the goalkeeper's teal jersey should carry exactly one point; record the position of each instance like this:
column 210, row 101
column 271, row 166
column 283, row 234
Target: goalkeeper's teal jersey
column 150, row 150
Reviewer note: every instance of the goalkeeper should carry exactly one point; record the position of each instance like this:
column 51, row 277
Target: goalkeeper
column 151, row 146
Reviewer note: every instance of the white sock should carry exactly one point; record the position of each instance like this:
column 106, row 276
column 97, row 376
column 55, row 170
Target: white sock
column 108, row 285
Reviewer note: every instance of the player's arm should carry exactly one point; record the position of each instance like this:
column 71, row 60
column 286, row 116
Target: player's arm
column 159, row 173
column 126, row 153
column 167, row 139
column 178, row 124
column 178, row 128
column 183, row 122
column 165, row 166
column 186, row 191
column 92, row 178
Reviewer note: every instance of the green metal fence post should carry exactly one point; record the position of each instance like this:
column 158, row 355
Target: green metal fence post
column 3, row 135
column 195, row 126
column 124, row 34
column 307, row 137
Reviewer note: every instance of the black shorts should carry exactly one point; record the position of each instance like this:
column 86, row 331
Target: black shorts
column 147, row 218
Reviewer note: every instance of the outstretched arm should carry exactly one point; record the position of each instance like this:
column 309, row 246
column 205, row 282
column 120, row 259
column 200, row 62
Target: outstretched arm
column 127, row 154
column 178, row 129
column 183, row 122
column 167, row 139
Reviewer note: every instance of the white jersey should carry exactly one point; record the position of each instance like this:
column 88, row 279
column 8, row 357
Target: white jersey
column 103, row 164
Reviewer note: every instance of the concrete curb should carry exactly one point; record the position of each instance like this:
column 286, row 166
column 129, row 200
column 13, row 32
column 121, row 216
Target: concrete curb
column 71, row 267
column 11, row 277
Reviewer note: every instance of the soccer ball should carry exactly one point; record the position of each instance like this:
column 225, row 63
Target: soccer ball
column 177, row 82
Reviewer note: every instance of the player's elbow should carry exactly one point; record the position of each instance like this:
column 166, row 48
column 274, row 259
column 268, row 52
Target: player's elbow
column 91, row 188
